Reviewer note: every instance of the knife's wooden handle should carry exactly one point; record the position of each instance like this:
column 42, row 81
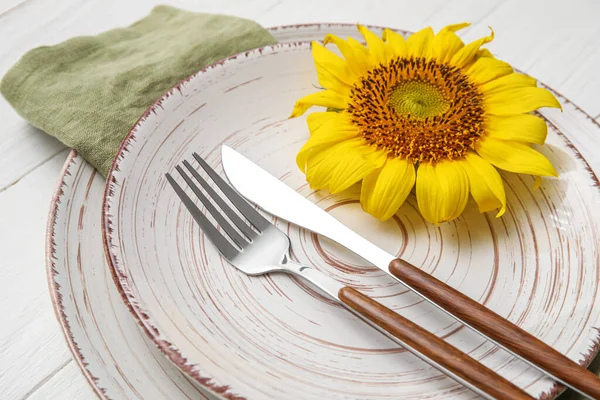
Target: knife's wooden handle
column 431, row 346
column 497, row 328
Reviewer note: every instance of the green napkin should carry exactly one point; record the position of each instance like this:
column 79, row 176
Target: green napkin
column 89, row 91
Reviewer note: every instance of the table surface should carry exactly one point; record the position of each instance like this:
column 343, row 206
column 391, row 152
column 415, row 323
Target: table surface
column 555, row 41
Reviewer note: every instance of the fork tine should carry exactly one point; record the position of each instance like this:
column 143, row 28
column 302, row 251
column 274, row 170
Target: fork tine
column 237, row 221
column 226, row 248
column 238, row 201
column 236, row 237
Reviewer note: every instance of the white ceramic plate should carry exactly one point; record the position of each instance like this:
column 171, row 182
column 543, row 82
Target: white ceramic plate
column 115, row 356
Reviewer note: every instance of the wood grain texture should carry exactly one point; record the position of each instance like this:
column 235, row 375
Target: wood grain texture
column 61, row 385
column 536, row 266
column 497, row 328
column 432, row 347
column 31, row 342
column 560, row 55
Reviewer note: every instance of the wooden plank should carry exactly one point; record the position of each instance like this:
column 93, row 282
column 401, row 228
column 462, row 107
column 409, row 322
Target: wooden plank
column 24, row 148
column 8, row 6
column 32, row 345
column 66, row 384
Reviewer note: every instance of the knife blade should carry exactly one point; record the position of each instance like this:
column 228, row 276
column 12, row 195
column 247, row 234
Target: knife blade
column 275, row 197
column 247, row 177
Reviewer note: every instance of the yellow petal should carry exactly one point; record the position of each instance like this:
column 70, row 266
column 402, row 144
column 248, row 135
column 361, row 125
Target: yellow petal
column 507, row 82
column 374, row 155
column 487, row 68
column 332, row 71
column 455, row 185
column 354, row 53
column 316, row 119
column 442, row 190
column 468, row 54
column 357, row 46
column 484, row 53
column 397, row 46
column 446, row 43
column 419, row 43
column 514, row 157
column 428, row 193
column 375, row 45
column 325, row 131
column 340, row 166
column 456, row 27
column 384, row 190
column 520, row 127
column 485, row 184
column 519, row 101
column 324, row 98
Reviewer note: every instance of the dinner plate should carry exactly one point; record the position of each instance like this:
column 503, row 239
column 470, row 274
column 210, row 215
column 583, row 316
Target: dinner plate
column 115, row 356
column 274, row 336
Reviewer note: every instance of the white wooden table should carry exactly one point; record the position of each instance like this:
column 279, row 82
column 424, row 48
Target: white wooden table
column 556, row 41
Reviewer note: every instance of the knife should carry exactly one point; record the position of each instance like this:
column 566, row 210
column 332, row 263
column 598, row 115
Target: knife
column 275, row 197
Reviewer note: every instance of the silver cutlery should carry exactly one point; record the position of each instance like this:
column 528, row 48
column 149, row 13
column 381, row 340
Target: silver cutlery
column 255, row 246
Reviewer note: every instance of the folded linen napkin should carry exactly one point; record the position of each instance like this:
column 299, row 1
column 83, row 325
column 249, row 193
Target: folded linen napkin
column 89, row 91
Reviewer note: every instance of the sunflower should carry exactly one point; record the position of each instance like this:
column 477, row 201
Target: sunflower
column 429, row 112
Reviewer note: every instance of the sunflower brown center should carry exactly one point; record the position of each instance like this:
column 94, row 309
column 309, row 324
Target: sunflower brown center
column 418, row 109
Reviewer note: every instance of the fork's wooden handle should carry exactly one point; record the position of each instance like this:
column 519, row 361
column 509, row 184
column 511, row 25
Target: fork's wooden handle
column 431, row 346
column 497, row 328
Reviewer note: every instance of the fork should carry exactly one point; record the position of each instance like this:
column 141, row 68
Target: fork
column 255, row 246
